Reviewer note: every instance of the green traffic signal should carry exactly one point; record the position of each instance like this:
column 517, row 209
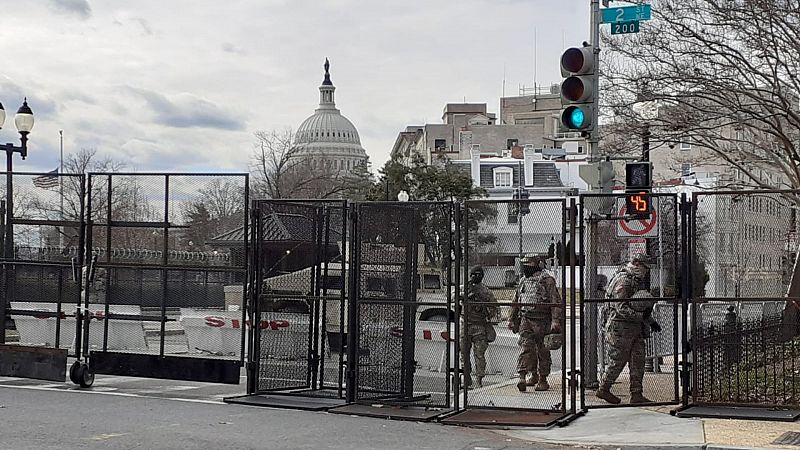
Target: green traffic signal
column 576, row 117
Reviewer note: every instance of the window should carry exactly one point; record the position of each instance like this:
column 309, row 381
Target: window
column 431, row 281
column 684, row 145
column 440, row 145
column 686, row 169
column 503, row 177
column 511, row 143
column 333, row 282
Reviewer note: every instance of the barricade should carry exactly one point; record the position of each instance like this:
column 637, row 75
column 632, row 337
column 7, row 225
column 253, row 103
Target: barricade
column 431, row 343
column 217, row 332
column 41, row 331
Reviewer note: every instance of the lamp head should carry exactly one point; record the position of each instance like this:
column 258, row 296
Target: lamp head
column 24, row 118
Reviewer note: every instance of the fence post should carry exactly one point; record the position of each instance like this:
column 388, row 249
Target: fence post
column 731, row 340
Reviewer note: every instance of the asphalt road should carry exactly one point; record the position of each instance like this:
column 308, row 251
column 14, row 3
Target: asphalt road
column 39, row 417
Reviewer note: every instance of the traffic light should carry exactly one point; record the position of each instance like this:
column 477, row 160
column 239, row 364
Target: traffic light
column 638, row 176
column 578, row 92
column 638, row 182
column 606, row 176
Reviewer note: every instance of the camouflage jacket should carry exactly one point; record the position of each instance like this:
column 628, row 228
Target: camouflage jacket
column 622, row 287
column 537, row 298
column 482, row 312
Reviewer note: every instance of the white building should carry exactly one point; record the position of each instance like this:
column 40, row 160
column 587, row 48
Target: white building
column 327, row 138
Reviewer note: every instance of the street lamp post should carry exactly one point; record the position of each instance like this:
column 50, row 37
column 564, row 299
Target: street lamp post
column 24, row 123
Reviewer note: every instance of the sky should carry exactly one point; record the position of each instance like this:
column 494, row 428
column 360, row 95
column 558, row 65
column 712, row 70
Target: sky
column 183, row 85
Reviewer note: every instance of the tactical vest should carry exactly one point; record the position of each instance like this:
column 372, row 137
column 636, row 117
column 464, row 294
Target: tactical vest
column 533, row 297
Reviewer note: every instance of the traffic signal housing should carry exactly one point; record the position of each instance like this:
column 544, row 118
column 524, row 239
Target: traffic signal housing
column 638, row 176
column 638, row 183
column 578, row 90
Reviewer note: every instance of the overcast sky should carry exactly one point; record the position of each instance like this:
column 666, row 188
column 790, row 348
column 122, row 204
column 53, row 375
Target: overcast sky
column 183, row 84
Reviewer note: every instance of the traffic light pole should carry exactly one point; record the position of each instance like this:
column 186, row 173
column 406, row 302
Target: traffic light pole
column 590, row 378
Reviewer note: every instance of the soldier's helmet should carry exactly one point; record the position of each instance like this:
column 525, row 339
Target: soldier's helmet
column 643, row 259
column 533, row 259
column 476, row 270
column 553, row 341
column 639, row 265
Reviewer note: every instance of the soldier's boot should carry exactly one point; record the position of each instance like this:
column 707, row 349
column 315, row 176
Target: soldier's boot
column 542, row 385
column 605, row 394
column 479, row 381
column 521, row 384
column 637, row 397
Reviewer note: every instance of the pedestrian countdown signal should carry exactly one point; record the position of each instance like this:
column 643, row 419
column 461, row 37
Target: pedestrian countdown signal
column 638, row 204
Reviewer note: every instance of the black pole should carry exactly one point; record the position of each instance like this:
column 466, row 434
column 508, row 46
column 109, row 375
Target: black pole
column 8, row 247
column 387, row 188
column 646, row 143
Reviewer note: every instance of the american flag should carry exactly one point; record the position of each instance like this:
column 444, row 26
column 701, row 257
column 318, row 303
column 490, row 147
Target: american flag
column 50, row 180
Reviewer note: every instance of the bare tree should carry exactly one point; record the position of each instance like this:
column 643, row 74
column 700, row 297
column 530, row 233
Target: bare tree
column 219, row 208
column 281, row 169
column 724, row 75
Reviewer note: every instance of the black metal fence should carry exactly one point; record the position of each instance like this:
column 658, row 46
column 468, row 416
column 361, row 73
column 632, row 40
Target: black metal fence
column 507, row 375
column 610, row 238
column 402, row 295
column 364, row 302
column 165, row 276
column 41, row 282
column 299, row 251
column 743, row 250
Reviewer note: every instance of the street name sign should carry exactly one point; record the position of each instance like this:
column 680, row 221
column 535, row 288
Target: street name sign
column 625, row 27
column 626, row 13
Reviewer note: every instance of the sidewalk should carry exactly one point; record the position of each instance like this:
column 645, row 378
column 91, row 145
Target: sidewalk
column 655, row 428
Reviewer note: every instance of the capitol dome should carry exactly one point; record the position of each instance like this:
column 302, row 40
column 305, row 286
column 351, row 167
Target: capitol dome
column 327, row 138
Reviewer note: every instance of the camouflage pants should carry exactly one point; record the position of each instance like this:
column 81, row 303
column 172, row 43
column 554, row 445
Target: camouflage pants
column 625, row 345
column 535, row 358
column 474, row 338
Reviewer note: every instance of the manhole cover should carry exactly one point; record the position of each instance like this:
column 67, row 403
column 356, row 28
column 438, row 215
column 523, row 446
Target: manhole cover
column 788, row 438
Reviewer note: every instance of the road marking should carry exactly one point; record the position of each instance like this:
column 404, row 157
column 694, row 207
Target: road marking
column 118, row 394
column 107, row 436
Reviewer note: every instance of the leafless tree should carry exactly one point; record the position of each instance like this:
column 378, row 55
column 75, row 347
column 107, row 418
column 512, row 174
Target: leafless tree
column 219, row 208
column 282, row 170
column 724, row 75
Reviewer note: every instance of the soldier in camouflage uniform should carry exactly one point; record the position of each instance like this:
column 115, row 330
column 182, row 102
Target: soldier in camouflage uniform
column 536, row 313
column 628, row 325
column 476, row 318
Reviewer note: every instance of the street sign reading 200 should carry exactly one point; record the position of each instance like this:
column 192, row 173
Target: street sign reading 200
column 626, row 19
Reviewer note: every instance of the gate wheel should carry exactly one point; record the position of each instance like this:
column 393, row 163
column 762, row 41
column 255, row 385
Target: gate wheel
column 85, row 377
column 73, row 372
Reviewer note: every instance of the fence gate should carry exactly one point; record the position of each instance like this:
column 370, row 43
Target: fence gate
column 400, row 291
column 744, row 339
column 496, row 234
column 166, row 275
column 41, row 283
column 298, row 274
column 610, row 237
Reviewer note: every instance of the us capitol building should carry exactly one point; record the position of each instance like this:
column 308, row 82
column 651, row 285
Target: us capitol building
column 327, row 138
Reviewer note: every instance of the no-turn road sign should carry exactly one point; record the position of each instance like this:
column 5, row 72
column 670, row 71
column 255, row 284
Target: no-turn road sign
column 637, row 227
